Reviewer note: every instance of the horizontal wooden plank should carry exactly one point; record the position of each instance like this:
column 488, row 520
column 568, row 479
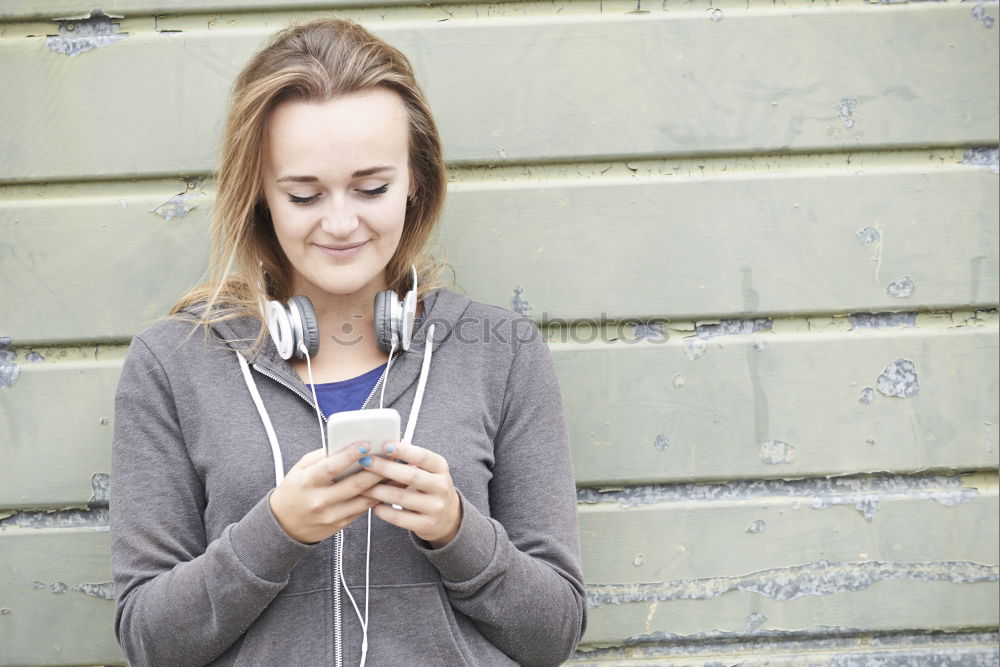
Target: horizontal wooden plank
column 639, row 84
column 637, row 413
column 55, row 591
column 687, row 541
column 688, row 544
column 960, row 648
column 758, row 243
column 780, row 406
column 51, row 9
column 668, row 571
column 887, row 605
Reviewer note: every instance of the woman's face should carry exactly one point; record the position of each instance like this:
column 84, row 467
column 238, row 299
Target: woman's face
column 336, row 178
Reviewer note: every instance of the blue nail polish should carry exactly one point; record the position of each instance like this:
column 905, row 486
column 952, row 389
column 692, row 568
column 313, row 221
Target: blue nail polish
column 367, row 461
column 390, row 449
column 362, row 450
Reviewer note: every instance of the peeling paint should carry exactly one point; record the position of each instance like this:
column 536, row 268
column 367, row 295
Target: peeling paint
column 883, row 320
column 733, row 327
column 979, row 14
column 104, row 590
column 776, row 452
column 949, row 490
column 867, row 396
column 987, row 157
column 848, row 106
column 34, row 357
column 899, row 379
column 755, row 620
column 9, row 371
column 177, row 206
column 694, row 347
column 661, row 443
column 679, row 380
column 716, row 15
column 759, row 344
column 789, row 583
column 81, row 34
column 755, row 527
column 520, row 304
column 100, row 483
column 849, row 648
column 68, row 518
column 649, row 331
column 868, row 235
column 901, row 287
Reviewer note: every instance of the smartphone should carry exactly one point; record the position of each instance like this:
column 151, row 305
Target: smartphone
column 376, row 427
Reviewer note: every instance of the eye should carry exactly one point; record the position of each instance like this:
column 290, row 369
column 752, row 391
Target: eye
column 302, row 200
column 375, row 192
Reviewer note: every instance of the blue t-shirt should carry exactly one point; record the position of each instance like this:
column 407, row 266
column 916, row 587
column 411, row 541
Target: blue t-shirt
column 347, row 394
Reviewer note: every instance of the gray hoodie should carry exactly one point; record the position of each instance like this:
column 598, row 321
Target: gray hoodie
column 204, row 573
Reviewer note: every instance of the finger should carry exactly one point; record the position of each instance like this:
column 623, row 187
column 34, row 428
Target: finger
column 400, row 518
column 324, row 471
column 418, row 456
column 309, row 459
column 405, row 474
column 414, row 501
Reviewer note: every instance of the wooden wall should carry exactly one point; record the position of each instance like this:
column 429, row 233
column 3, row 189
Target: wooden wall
column 761, row 237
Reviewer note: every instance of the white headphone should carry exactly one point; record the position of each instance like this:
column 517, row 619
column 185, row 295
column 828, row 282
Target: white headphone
column 295, row 330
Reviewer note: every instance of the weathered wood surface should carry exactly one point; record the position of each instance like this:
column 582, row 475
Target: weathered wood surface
column 638, row 412
column 808, row 568
column 537, row 89
column 765, row 243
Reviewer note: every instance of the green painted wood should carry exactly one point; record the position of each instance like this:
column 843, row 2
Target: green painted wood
column 53, row 615
column 55, row 434
column 760, row 244
column 968, row 648
column 32, row 9
column 694, row 538
column 887, row 605
column 631, row 422
column 678, row 247
column 695, row 546
column 539, row 89
column 677, row 541
column 799, row 389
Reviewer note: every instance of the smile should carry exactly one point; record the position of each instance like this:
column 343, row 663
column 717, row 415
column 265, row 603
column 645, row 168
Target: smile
column 342, row 251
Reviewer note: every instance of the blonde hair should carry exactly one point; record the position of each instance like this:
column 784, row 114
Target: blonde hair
column 312, row 62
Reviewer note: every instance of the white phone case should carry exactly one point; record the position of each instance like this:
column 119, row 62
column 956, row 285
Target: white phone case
column 376, row 427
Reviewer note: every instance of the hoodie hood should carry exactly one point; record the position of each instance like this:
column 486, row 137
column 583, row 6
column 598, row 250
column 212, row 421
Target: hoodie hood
column 443, row 308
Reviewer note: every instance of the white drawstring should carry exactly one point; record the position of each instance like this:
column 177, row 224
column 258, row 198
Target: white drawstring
column 279, row 466
column 279, row 474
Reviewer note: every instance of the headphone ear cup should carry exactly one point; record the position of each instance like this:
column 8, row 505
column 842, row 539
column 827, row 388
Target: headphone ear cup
column 384, row 333
column 279, row 326
column 310, row 327
column 409, row 314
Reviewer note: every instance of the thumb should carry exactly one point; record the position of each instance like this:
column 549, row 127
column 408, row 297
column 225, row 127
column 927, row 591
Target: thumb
column 309, row 459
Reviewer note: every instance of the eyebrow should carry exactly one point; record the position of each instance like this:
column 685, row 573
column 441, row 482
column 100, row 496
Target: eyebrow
column 360, row 173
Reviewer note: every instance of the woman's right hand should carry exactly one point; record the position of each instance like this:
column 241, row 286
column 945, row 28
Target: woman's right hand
column 310, row 506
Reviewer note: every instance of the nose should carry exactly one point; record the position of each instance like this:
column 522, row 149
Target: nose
column 338, row 217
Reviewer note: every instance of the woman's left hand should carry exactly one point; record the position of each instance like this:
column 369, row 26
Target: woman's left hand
column 422, row 487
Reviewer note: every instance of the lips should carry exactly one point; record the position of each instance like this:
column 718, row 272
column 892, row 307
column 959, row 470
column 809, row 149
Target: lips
column 342, row 250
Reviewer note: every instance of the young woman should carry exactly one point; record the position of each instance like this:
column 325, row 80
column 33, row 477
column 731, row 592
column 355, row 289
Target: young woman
column 235, row 538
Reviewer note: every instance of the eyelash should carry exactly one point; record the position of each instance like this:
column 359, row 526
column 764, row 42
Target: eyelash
column 374, row 192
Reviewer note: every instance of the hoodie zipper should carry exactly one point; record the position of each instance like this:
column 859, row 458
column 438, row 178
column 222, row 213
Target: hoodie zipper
column 335, row 602
column 308, row 399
